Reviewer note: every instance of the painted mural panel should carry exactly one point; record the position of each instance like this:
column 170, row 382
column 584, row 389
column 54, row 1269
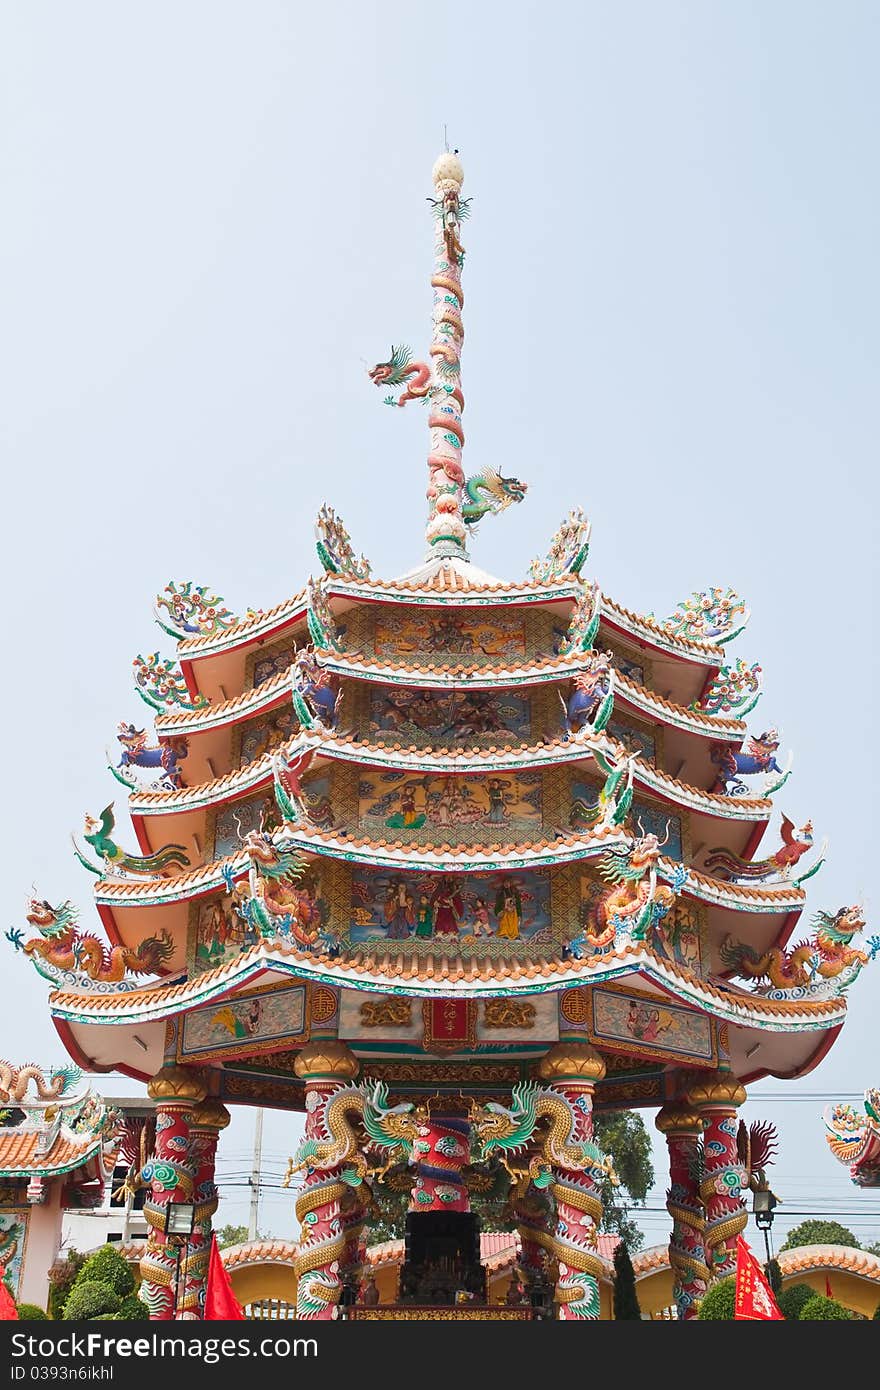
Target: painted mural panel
column 451, row 910
column 238, row 818
column 261, row 735
column 13, row 1238
column 220, row 933
column 318, row 802
column 677, row 938
column 247, row 1021
column 426, row 715
column 270, row 664
column 396, row 800
column 650, row 1025
column 473, row 635
column 646, row 818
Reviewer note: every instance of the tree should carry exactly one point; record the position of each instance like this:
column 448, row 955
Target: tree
column 626, row 1303
column 792, row 1300
column 108, row 1266
column 774, row 1278
column 236, row 1235
column 822, row 1309
column 623, row 1135
column 816, row 1232
column 719, row 1302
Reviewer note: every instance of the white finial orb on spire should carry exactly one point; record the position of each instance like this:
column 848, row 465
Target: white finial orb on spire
column 448, row 174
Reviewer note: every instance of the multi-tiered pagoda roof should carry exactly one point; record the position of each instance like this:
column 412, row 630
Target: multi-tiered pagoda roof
column 383, row 795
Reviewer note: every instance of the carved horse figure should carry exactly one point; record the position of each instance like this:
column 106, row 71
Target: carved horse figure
column 138, row 752
column 756, row 755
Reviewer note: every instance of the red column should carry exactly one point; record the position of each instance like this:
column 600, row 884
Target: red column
column 206, row 1122
column 170, row 1175
column 687, row 1251
column 572, row 1070
column 324, row 1065
column 439, row 1153
column 531, row 1209
column 716, row 1099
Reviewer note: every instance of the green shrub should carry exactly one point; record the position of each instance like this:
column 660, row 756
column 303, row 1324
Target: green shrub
column 792, row 1300
column 89, row 1298
column 819, row 1309
column 109, row 1267
column 717, row 1306
column 876, row 1317
column 29, row 1312
column 132, row 1310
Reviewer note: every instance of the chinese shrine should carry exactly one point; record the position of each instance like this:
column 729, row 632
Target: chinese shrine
column 449, row 863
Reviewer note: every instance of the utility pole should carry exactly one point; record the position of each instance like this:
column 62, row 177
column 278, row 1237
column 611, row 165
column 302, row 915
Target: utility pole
column 255, row 1177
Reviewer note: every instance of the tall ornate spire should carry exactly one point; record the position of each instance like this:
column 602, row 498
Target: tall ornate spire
column 454, row 503
column 445, row 531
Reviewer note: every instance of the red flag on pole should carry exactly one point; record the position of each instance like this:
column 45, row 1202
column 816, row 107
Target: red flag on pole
column 8, row 1310
column 221, row 1305
column 754, row 1299
column 828, row 1293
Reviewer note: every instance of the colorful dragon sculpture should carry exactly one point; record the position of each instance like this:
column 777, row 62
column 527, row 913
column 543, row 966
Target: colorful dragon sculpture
column 48, row 1085
column 572, row 1167
column 795, row 844
column 280, row 903
column 98, row 834
column 826, row 956
column 634, row 904
column 391, row 1128
column 62, row 948
column 854, row 1138
column 331, row 1155
column 757, row 755
column 489, row 493
column 137, row 751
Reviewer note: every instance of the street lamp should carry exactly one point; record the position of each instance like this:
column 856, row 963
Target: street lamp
column 763, row 1203
column 180, row 1218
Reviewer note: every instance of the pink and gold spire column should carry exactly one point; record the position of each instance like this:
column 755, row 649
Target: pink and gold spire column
column 445, row 531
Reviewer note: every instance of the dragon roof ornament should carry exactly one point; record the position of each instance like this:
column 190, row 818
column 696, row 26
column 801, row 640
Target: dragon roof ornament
column 715, row 615
column 192, row 611
column 334, row 547
column 568, row 551
column 454, row 502
column 321, row 623
column 73, row 960
column 854, row 1138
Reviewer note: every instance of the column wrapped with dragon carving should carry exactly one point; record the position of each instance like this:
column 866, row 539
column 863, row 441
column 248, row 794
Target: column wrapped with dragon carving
column 440, row 1151
column 532, row 1211
column 445, row 532
column 332, row 1158
column 206, row 1122
column 715, row 1100
column 567, row 1161
column 353, row 1214
column 572, row 1070
column 170, row 1176
column 687, row 1249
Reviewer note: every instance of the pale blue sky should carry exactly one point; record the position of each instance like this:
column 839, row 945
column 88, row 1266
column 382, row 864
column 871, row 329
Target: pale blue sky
column 214, row 217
